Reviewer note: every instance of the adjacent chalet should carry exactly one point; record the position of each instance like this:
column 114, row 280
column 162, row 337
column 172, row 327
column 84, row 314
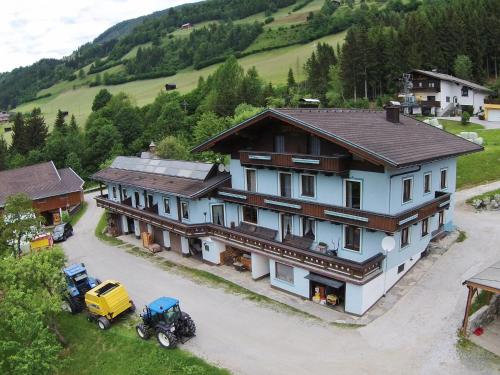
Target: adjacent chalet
column 309, row 197
column 52, row 190
column 441, row 94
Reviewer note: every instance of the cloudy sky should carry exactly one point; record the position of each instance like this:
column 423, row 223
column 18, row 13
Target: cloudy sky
column 33, row 29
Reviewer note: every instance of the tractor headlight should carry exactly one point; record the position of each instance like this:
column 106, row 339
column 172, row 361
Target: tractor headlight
column 172, row 329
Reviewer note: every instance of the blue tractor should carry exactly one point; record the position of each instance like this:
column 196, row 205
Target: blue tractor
column 164, row 319
column 78, row 283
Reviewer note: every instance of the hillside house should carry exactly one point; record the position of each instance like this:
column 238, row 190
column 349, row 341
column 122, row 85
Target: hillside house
column 309, row 196
column 186, row 26
column 4, row 116
column 442, row 94
column 52, row 190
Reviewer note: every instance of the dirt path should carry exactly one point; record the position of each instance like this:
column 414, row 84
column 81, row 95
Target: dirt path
column 416, row 337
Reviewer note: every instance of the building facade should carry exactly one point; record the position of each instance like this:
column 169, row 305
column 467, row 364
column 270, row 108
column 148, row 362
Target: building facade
column 308, row 199
column 52, row 190
column 443, row 95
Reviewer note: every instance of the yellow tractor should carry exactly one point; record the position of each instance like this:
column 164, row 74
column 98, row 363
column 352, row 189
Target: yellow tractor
column 107, row 301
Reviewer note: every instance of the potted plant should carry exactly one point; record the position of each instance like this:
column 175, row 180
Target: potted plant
column 322, row 247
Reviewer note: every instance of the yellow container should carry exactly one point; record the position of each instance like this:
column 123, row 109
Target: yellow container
column 109, row 299
column 41, row 241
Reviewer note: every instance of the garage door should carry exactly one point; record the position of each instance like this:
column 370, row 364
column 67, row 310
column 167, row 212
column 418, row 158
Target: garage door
column 494, row 115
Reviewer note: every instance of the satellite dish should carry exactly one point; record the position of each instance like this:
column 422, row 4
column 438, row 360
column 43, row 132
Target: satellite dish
column 388, row 243
column 221, row 168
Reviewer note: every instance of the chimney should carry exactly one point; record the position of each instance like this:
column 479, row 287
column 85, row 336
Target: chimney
column 392, row 110
column 152, row 148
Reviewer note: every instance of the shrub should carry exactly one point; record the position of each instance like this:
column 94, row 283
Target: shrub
column 465, row 118
column 268, row 20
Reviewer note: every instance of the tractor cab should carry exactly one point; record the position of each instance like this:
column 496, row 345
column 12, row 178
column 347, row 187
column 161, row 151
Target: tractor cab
column 163, row 317
column 163, row 309
column 78, row 281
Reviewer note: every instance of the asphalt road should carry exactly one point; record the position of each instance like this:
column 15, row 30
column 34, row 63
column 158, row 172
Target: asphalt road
column 417, row 336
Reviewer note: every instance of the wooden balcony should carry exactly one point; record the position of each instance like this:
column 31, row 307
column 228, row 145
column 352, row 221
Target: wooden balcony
column 337, row 214
column 426, row 85
column 331, row 164
column 430, row 103
column 330, row 266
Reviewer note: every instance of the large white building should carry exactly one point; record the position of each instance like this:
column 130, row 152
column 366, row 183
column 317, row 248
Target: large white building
column 442, row 94
column 309, row 198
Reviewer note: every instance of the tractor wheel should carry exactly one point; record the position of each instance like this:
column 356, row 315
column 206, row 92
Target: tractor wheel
column 189, row 328
column 166, row 339
column 132, row 308
column 142, row 332
column 71, row 305
column 103, row 323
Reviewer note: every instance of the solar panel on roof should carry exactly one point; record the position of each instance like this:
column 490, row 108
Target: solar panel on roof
column 175, row 168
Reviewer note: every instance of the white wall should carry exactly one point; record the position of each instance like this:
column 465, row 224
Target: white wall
column 166, row 238
column 260, row 265
column 300, row 284
column 212, row 250
column 359, row 298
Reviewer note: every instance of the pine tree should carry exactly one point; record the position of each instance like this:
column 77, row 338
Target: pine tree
column 73, row 127
column 36, row 130
column 251, row 88
column 3, row 153
column 19, row 141
column 290, row 81
column 60, row 123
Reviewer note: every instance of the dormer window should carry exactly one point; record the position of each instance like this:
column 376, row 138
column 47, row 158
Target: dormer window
column 279, row 143
column 314, row 145
column 465, row 91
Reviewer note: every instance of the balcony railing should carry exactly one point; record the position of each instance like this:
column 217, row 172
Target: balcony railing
column 426, row 84
column 332, row 266
column 337, row 214
column 332, row 164
column 430, row 103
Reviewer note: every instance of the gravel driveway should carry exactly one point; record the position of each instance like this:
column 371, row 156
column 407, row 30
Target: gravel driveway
column 417, row 336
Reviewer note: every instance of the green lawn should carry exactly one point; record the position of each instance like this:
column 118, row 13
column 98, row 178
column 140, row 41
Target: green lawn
column 481, row 167
column 77, row 100
column 76, row 217
column 456, row 127
column 119, row 351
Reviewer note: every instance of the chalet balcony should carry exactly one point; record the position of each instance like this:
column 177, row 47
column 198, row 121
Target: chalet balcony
column 430, row 103
column 258, row 242
column 433, row 85
column 337, row 214
column 331, row 164
column 492, row 101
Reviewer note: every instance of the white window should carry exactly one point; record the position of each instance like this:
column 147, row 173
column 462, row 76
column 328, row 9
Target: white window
column 251, row 179
column 250, row 214
column 114, row 192
column 185, row 210
column 352, row 238
column 308, row 185
column 285, row 184
column 425, row 227
column 352, row 193
column 308, row 228
column 407, row 189
column 166, row 205
column 284, row 272
column 286, row 226
column 405, row 237
column 444, row 178
column 218, row 214
column 441, row 219
column 427, row 182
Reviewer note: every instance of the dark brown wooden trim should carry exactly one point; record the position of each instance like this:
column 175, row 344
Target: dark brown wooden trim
column 341, row 215
column 330, row 266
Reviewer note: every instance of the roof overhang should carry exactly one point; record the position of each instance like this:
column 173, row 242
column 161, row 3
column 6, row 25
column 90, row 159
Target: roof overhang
column 271, row 113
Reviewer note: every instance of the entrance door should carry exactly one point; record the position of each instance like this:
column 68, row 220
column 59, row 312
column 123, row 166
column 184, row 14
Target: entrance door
column 286, row 225
column 218, row 214
column 131, row 225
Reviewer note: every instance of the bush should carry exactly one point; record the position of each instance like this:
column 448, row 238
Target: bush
column 268, row 20
column 465, row 118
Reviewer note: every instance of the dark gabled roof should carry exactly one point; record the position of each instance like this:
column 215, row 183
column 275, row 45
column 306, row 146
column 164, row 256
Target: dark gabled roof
column 163, row 179
column 366, row 133
column 38, row 181
column 449, row 78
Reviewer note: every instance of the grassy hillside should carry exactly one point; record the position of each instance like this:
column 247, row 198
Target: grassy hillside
column 272, row 66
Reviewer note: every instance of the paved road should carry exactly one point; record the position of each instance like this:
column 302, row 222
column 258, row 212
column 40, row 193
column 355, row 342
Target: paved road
column 416, row 337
